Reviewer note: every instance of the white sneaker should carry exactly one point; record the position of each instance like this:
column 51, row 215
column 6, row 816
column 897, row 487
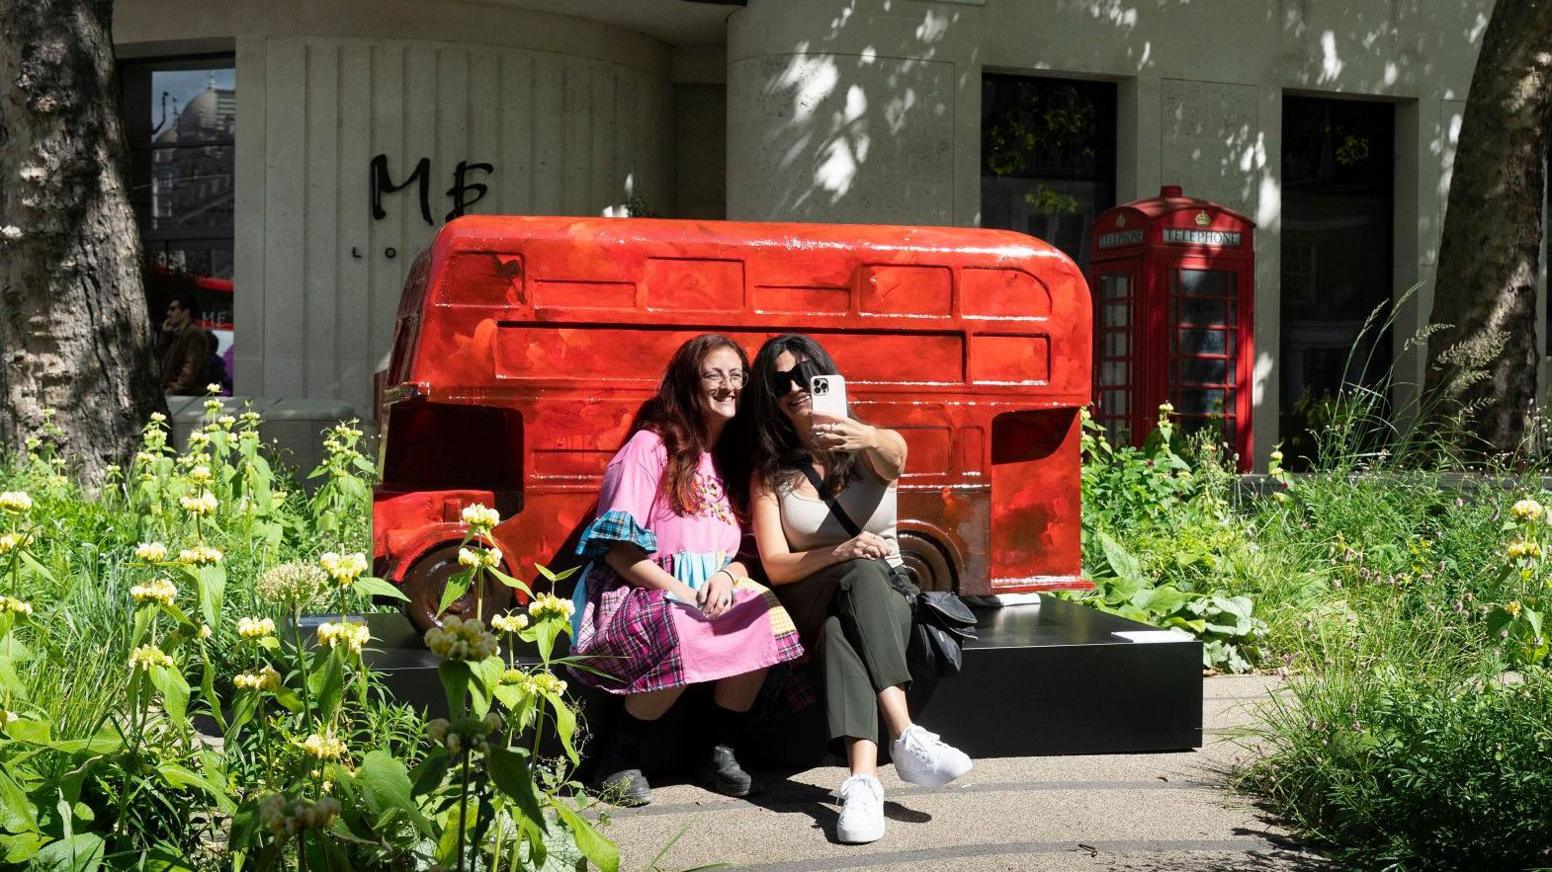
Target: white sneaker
column 862, row 810
column 923, row 758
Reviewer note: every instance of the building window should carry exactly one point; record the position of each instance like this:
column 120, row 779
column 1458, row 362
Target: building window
column 1337, row 255
column 181, row 119
column 1048, row 154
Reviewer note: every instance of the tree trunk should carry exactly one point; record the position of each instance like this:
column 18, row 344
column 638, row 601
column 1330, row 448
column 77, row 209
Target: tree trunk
column 74, row 331
column 1486, row 282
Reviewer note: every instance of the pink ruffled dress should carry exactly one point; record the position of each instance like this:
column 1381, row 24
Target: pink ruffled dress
column 642, row 637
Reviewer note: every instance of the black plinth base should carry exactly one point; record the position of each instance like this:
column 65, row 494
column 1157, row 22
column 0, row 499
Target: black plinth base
column 1054, row 679
column 1041, row 680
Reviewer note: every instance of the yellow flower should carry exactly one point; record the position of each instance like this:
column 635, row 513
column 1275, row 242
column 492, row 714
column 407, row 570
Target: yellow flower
column 158, row 418
column 147, row 656
column 1513, row 608
column 200, row 474
column 322, row 747
column 151, row 552
column 1521, row 548
column 260, row 679
column 199, row 554
column 15, row 606
column 1527, row 509
column 161, row 590
column 1276, row 456
column 226, row 421
column 458, row 639
column 11, row 541
column 344, row 570
column 545, row 604
column 8, row 717
column 204, row 632
column 15, row 502
column 481, row 518
column 509, row 623
column 212, row 388
column 546, row 682
column 255, row 628
column 203, row 504
column 1166, row 409
column 352, row 636
column 487, row 557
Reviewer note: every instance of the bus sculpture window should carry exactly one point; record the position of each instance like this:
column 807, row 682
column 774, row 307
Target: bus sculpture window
column 524, row 346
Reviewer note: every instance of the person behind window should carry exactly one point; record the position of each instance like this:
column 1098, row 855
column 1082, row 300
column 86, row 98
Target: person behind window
column 837, row 586
column 664, row 603
column 185, row 348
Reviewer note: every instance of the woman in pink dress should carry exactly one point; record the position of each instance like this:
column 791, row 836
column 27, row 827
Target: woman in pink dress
column 664, row 603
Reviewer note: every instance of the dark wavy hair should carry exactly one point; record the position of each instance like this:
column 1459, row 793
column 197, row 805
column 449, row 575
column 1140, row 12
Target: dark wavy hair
column 678, row 416
column 763, row 440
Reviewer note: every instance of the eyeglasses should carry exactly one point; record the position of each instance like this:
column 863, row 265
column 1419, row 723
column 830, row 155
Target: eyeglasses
column 784, row 380
column 714, row 379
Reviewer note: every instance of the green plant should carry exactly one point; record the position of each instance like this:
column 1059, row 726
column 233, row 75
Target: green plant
column 163, row 708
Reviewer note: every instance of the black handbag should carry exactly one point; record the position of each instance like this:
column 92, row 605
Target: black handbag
column 940, row 621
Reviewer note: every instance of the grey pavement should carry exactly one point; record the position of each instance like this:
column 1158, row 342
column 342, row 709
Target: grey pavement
column 1130, row 812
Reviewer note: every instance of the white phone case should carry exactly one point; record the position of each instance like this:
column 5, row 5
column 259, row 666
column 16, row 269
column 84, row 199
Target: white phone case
column 827, row 395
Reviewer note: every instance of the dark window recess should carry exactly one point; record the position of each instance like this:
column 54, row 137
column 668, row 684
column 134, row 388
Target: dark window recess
column 1337, row 255
column 181, row 120
column 442, row 446
column 1048, row 155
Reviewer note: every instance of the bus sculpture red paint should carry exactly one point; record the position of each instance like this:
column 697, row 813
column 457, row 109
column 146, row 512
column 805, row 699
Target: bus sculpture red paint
column 524, row 346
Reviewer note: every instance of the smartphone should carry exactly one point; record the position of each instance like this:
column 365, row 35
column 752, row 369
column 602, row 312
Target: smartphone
column 827, row 395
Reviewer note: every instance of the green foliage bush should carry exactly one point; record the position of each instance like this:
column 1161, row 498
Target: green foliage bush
column 1406, row 607
column 161, row 708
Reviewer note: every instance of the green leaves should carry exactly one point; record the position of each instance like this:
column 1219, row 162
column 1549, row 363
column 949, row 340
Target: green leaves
column 385, row 785
column 600, row 851
column 457, row 586
column 327, row 684
column 169, row 681
column 509, row 771
column 455, row 683
column 565, row 723
column 374, row 587
column 81, row 852
column 1226, row 625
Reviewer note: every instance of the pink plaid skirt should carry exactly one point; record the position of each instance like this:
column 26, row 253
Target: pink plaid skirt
column 645, row 641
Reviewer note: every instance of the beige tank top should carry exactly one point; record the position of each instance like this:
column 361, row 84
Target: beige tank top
column 867, row 500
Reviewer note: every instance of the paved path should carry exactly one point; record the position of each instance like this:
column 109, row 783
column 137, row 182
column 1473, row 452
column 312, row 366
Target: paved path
column 1132, row 812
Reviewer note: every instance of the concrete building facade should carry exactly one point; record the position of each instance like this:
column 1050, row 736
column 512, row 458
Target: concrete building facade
column 812, row 110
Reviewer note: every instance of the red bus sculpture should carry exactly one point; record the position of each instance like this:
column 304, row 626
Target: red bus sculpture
column 524, row 346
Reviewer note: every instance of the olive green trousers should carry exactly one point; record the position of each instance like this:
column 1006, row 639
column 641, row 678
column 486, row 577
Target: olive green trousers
column 857, row 625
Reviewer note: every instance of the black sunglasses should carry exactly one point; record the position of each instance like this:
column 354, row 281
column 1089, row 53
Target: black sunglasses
column 782, row 381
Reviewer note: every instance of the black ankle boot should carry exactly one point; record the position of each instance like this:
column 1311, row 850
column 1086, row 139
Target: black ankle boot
column 625, row 787
column 718, row 769
column 719, row 772
column 619, row 779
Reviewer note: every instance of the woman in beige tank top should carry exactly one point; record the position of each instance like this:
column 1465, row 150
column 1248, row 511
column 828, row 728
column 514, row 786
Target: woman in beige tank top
column 834, row 584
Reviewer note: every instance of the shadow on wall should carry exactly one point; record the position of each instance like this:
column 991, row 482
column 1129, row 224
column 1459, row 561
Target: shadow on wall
column 836, row 122
column 869, row 134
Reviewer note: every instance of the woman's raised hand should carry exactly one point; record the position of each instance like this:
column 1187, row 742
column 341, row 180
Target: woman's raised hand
column 863, row 546
column 843, row 434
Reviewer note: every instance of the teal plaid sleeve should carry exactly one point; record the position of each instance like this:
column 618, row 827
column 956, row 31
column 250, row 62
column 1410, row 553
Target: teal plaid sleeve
column 612, row 527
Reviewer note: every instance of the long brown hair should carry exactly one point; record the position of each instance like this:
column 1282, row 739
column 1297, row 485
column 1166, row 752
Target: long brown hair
column 678, row 416
column 763, row 440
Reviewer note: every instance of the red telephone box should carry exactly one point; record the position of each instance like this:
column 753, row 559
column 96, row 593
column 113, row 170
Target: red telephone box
column 1173, row 280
